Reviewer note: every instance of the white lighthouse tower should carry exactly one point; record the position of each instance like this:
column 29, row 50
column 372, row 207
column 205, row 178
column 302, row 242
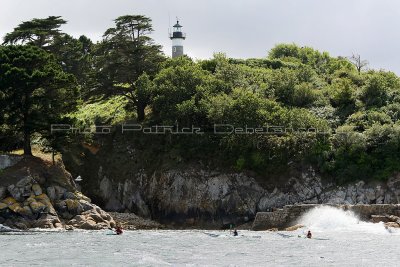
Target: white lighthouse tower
column 177, row 37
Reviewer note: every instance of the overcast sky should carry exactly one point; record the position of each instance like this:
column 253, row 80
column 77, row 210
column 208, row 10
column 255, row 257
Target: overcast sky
column 240, row 28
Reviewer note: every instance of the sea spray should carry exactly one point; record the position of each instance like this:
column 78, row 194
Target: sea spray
column 327, row 218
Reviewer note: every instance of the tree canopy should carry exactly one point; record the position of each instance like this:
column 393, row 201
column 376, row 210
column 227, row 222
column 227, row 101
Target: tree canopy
column 35, row 91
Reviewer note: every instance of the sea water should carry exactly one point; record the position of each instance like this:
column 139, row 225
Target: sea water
column 339, row 239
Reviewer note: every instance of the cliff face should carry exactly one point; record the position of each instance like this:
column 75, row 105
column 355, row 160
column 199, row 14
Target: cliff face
column 200, row 197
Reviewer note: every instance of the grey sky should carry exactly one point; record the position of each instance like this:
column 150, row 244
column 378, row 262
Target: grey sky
column 240, row 28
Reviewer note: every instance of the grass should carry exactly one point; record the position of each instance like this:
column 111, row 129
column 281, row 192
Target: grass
column 37, row 152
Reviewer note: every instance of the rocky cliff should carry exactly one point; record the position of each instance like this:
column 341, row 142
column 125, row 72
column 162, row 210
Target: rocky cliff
column 37, row 194
column 198, row 196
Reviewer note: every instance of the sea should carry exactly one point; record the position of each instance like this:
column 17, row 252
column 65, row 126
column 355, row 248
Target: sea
column 339, row 239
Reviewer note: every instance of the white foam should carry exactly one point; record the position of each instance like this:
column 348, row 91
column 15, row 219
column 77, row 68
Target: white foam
column 5, row 228
column 326, row 218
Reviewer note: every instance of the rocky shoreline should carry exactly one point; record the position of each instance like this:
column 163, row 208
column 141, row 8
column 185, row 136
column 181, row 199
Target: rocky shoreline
column 36, row 194
column 130, row 221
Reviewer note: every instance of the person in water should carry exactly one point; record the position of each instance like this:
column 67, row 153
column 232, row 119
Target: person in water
column 235, row 232
column 309, row 235
column 119, row 230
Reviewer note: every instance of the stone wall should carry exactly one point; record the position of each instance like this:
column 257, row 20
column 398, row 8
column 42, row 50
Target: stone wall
column 288, row 215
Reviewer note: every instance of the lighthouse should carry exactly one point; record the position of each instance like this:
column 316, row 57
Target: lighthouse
column 177, row 37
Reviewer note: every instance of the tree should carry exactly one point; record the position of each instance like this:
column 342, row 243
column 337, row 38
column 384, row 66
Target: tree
column 74, row 55
column 375, row 93
column 126, row 53
column 358, row 63
column 178, row 90
column 35, row 91
column 38, row 32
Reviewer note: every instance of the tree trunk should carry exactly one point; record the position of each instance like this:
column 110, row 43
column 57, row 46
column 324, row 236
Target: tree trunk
column 27, row 144
column 140, row 112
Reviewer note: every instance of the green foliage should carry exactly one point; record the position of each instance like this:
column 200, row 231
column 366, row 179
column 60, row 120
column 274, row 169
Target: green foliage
column 35, row 91
column 332, row 114
column 110, row 111
column 125, row 54
column 38, row 32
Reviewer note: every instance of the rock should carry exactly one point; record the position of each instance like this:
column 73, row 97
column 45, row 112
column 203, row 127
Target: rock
column 60, row 206
column 72, row 206
column 16, row 192
column 379, row 218
column 379, row 200
column 58, row 225
column 69, row 195
column 21, row 225
column 37, row 207
column 3, row 192
column 294, row 227
column 44, row 199
column 85, row 205
column 37, row 190
column 90, row 225
column 15, row 207
column 60, row 191
column 51, row 193
column 370, row 195
column 67, row 216
column 26, row 181
column 393, row 218
column 47, row 221
column 81, row 196
column 8, row 161
column 25, row 211
column 273, row 230
column 9, row 201
column 392, row 225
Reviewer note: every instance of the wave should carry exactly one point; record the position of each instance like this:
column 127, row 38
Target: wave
column 326, row 218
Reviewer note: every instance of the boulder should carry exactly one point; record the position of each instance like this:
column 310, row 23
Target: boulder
column 21, row 225
column 37, row 207
column 70, row 195
column 60, row 206
column 26, row 181
column 16, row 192
column 25, row 211
column 392, row 225
column 44, row 199
column 60, row 191
column 3, row 192
column 85, row 205
column 66, row 215
column 73, row 206
column 393, row 218
column 48, row 221
column 37, row 190
column 9, row 201
column 90, row 225
column 3, row 206
column 379, row 218
column 51, row 193
column 15, row 207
